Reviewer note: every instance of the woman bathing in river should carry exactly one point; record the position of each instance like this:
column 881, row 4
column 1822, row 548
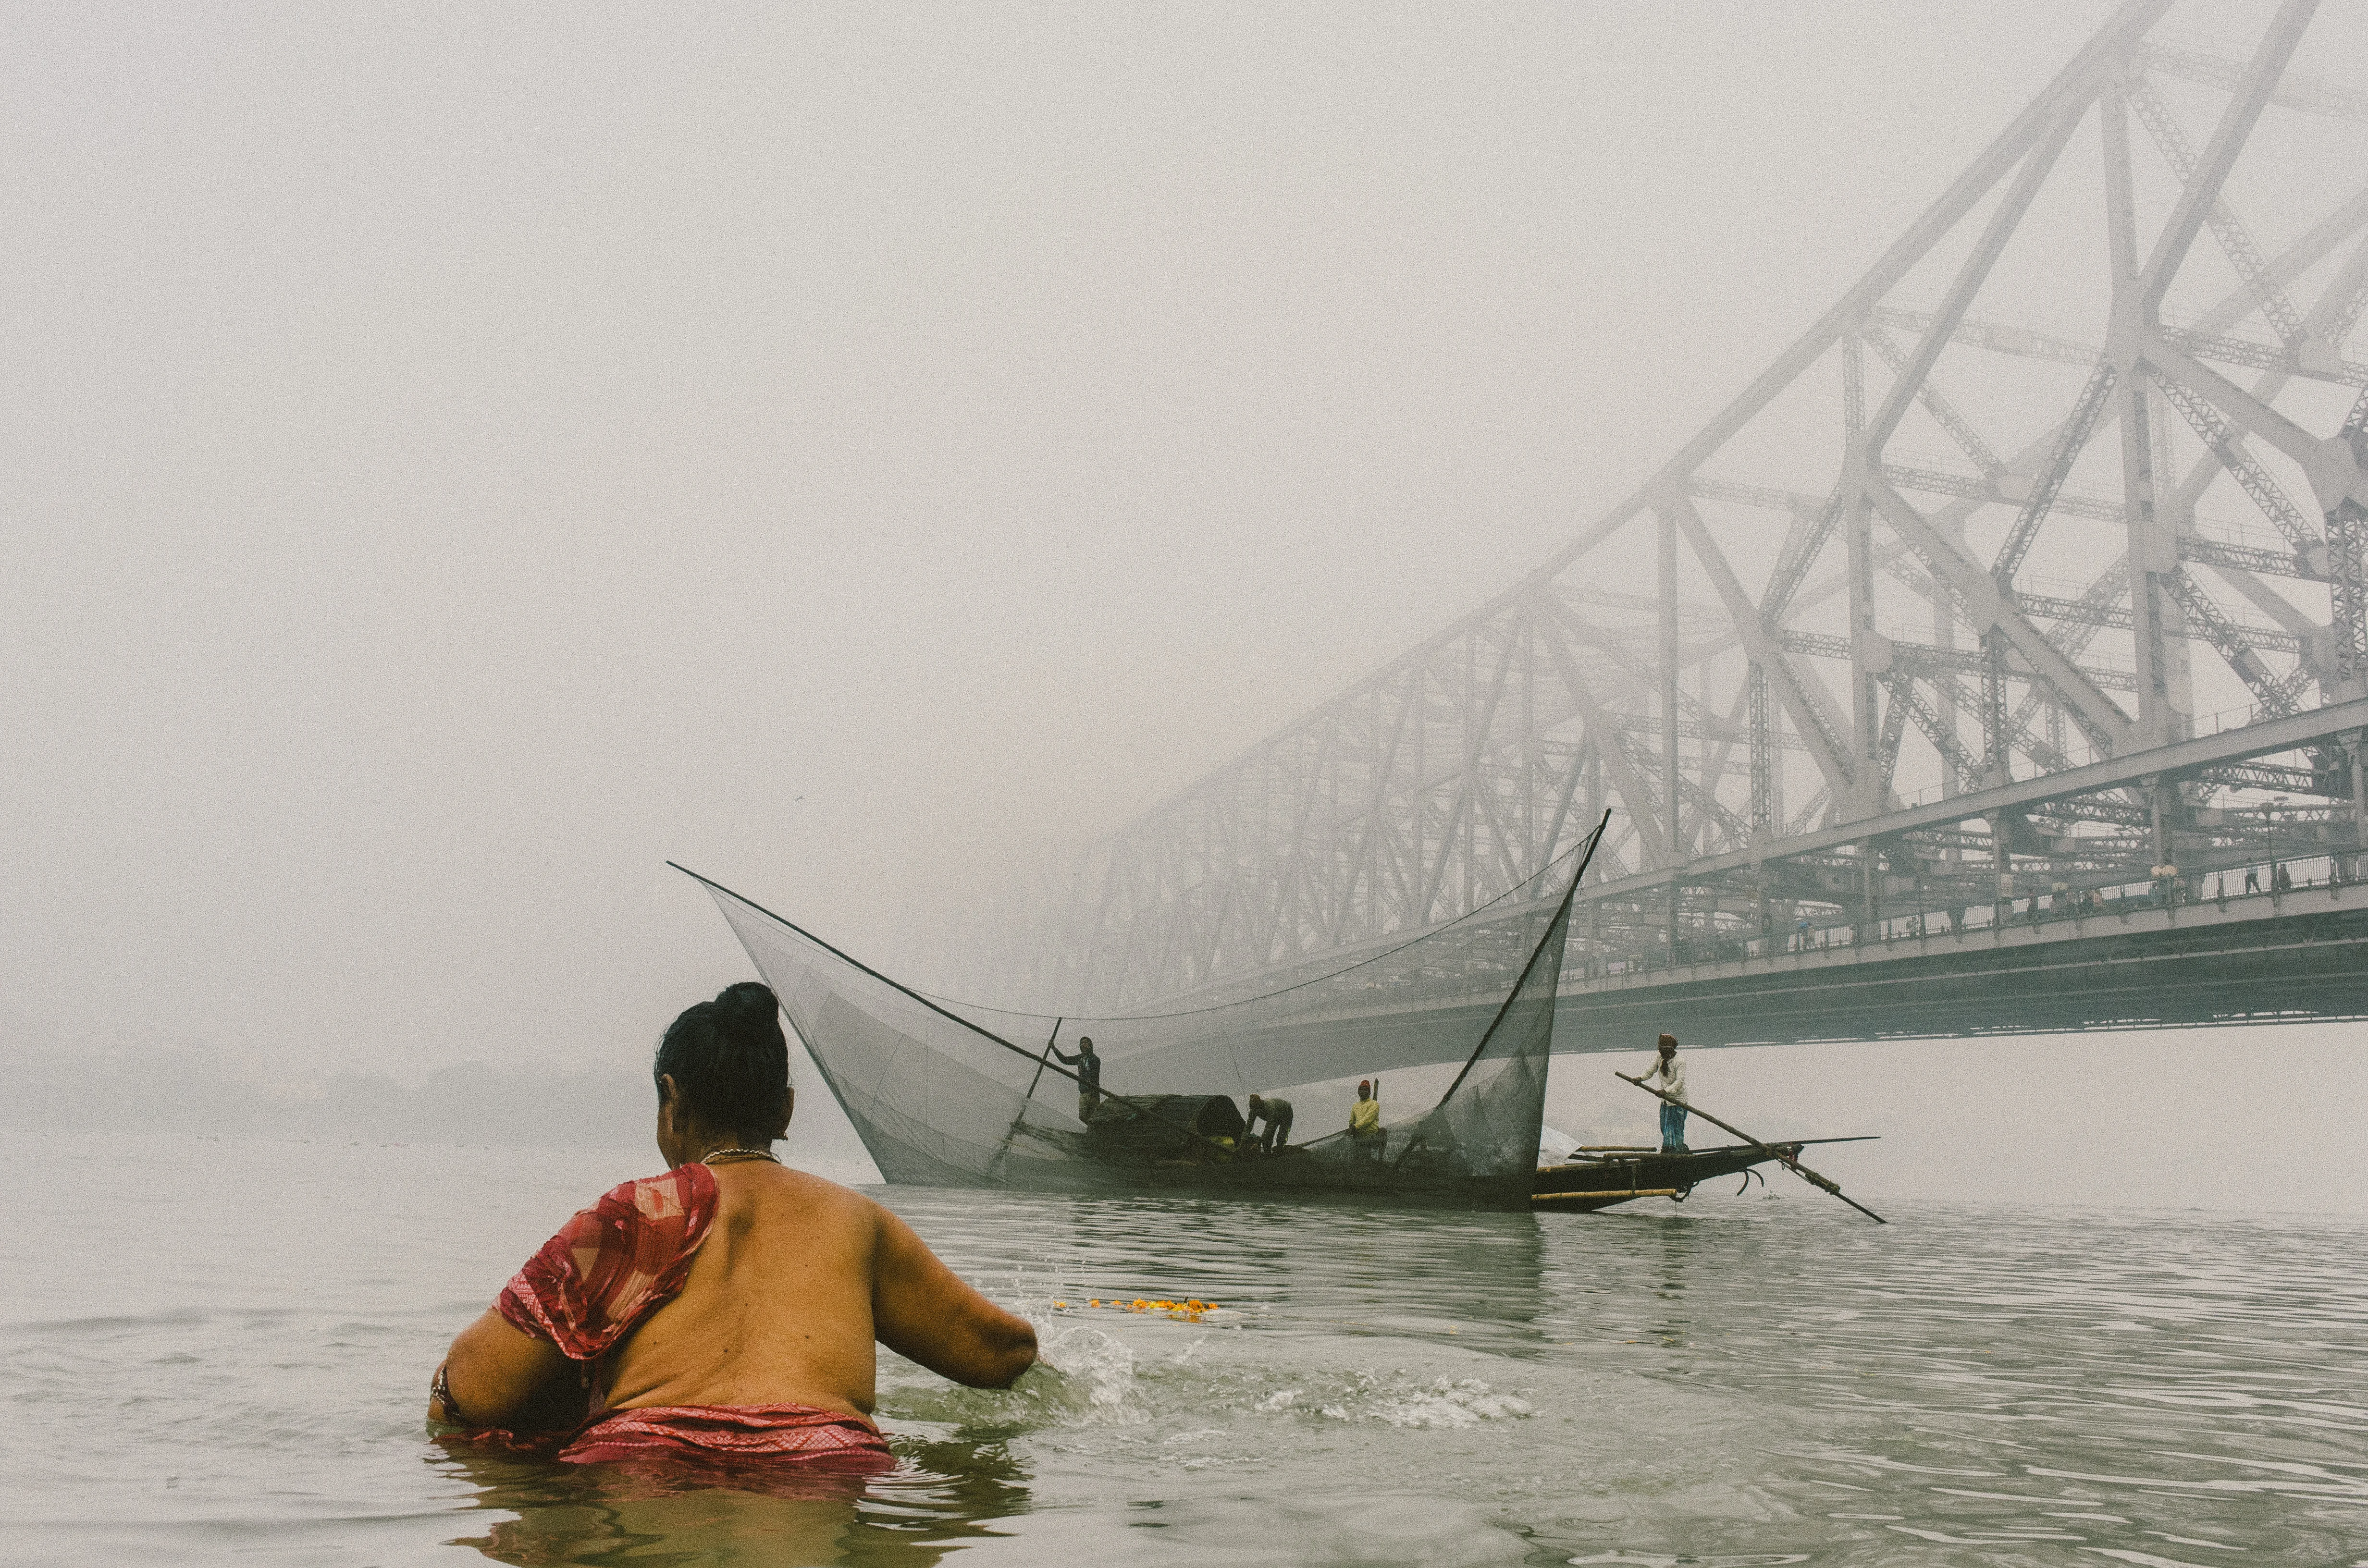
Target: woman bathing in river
column 727, row 1309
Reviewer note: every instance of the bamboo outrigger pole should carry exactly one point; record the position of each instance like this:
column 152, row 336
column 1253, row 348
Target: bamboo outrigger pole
column 1029, row 1098
column 1787, row 1161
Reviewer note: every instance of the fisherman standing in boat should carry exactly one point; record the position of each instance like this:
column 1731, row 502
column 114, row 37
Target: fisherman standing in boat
column 1090, row 1077
column 1672, row 1075
column 1365, row 1133
column 1276, row 1114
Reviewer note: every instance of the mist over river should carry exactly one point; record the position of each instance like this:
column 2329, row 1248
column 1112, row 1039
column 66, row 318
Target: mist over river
column 220, row 1350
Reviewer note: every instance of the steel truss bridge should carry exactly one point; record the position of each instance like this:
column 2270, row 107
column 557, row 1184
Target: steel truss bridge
column 1971, row 664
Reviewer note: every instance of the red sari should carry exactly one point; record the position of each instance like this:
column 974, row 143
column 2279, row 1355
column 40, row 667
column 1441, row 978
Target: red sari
column 605, row 1272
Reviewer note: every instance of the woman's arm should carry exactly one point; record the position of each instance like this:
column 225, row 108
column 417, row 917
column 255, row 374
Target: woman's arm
column 922, row 1311
column 498, row 1375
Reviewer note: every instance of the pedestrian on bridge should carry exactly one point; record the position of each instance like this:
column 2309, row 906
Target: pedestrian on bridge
column 1672, row 1075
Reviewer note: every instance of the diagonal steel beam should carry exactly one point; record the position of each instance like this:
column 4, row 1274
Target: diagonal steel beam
column 2229, row 642
column 2331, row 465
column 2250, row 96
column 2077, row 80
column 2071, row 438
column 1643, row 811
column 1938, row 405
column 2226, row 446
column 1476, row 743
column 1975, row 270
column 2234, row 237
column 1942, row 734
column 1985, row 606
column 1812, row 722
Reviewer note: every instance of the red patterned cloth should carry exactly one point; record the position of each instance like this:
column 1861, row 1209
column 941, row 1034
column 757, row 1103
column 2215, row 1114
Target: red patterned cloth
column 614, row 1264
column 811, row 1437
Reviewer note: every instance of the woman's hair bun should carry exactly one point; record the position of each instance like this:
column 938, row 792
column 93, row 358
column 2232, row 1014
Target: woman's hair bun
column 730, row 1061
column 750, row 1006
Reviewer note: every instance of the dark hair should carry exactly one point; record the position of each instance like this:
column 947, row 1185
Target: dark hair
column 730, row 1060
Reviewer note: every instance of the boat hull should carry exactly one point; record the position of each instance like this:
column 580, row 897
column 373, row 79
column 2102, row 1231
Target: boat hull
column 1290, row 1175
column 1589, row 1185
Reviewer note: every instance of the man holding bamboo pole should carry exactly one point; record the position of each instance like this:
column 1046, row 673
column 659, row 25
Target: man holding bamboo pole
column 1672, row 1075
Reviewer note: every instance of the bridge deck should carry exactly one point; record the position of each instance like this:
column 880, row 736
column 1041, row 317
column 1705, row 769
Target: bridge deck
column 2261, row 958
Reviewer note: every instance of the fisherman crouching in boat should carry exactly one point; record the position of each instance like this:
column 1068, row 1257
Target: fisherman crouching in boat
column 727, row 1309
column 1276, row 1113
column 1672, row 1075
column 1090, row 1077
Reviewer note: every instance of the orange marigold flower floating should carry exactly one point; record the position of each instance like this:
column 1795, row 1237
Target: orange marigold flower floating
column 1191, row 1310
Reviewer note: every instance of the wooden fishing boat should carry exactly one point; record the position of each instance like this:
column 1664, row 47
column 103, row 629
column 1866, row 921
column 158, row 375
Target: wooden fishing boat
column 946, row 1094
column 1600, row 1176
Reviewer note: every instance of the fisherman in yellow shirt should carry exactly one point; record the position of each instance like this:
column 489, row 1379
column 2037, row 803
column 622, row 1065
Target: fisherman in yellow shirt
column 1366, row 1137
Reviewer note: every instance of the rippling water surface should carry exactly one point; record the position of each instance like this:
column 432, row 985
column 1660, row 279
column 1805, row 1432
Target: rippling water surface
column 219, row 1350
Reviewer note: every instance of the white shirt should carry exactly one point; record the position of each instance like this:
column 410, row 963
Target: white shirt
column 1672, row 1073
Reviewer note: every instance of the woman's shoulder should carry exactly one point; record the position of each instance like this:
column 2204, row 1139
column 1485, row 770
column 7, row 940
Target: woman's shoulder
column 802, row 1187
column 670, row 1195
column 801, row 1203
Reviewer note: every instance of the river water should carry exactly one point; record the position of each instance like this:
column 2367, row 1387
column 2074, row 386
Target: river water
column 219, row 1350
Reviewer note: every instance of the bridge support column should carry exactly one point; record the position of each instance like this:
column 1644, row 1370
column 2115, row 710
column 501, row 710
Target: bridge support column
column 1764, row 820
column 1869, row 657
column 1997, row 738
column 1759, row 900
column 1670, row 779
column 2002, row 862
column 2356, row 746
column 2158, row 818
column 2162, row 803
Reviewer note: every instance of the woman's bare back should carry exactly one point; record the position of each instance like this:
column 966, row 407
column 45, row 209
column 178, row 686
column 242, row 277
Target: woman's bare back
column 777, row 1306
column 797, row 1277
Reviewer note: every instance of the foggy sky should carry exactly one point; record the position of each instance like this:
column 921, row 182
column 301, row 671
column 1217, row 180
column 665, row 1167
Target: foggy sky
column 464, row 457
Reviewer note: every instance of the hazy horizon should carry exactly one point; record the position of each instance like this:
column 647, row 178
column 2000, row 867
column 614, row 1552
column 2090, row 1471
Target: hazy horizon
column 2046, row 1119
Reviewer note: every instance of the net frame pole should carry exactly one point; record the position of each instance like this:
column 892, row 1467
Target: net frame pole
column 1045, row 1060
column 1559, row 922
column 1029, row 1098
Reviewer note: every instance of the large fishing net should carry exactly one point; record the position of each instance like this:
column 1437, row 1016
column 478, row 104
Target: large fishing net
column 948, row 1094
